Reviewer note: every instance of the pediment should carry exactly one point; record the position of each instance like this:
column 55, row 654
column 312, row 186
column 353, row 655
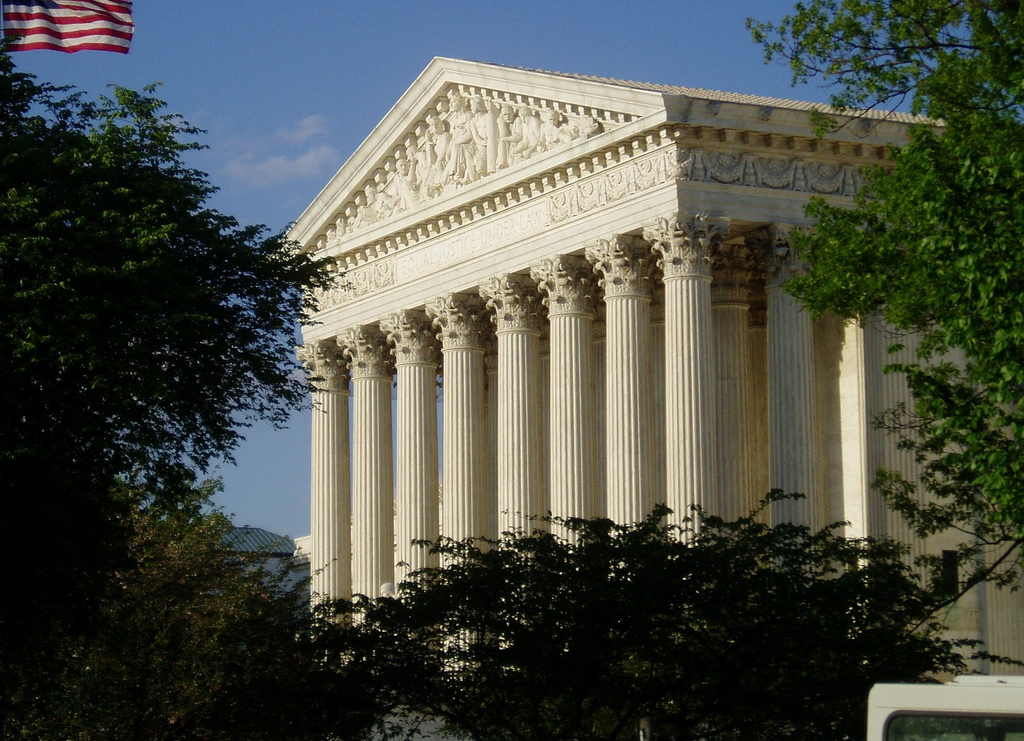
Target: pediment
column 460, row 126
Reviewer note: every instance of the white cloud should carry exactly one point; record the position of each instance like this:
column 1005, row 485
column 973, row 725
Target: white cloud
column 308, row 127
column 268, row 170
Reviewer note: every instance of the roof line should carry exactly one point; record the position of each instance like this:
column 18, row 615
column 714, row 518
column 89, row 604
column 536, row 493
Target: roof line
column 726, row 97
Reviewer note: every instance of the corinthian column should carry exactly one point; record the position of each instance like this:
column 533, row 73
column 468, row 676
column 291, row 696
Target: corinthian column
column 491, row 391
column 734, row 412
column 330, row 559
column 461, row 321
column 516, row 305
column 685, row 258
column 373, row 510
column 568, row 284
column 792, row 423
column 757, row 336
column 416, row 500
column 625, row 265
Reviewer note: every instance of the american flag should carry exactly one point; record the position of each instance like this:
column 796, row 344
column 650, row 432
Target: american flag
column 69, row 25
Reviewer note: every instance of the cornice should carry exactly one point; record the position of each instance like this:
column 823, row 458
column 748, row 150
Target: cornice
column 607, row 105
column 586, row 113
column 689, row 156
column 752, row 159
column 457, row 202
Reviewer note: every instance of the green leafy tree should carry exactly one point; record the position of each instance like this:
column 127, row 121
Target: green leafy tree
column 932, row 245
column 140, row 330
column 738, row 631
column 193, row 640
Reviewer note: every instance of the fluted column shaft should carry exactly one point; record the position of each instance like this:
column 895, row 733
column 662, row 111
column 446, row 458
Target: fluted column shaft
column 516, row 306
column 460, row 320
column 416, row 495
column 544, row 376
column 330, row 504
column 491, row 390
column 373, row 541
column 792, row 419
column 734, row 412
column 685, row 257
column 625, row 265
column 658, row 448
column 757, row 337
column 599, row 357
column 568, row 284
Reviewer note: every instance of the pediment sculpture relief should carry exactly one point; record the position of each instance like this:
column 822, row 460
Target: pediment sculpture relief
column 466, row 136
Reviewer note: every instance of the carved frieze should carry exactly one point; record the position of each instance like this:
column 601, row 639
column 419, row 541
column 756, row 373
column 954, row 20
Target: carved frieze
column 624, row 263
column 568, row 284
column 515, row 301
column 614, row 184
column 325, row 361
column 473, row 240
column 572, row 191
column 368, row 350
column 762, row 171
column 351, row 284
column 460, row 319
column 685, row 246
column 413, row 336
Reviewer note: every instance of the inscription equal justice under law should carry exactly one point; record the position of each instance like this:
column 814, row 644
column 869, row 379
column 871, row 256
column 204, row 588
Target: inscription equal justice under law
column 524, row 222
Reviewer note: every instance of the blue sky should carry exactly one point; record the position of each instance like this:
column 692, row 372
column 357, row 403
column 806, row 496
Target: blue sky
column 286, row 91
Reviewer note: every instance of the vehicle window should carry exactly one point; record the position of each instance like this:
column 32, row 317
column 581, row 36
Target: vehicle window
column 906, row 727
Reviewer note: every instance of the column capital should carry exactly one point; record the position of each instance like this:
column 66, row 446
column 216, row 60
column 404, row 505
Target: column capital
column 685, row 245
column 490, row 345
column 568, row 284
column 413, row 336
column 624, row 263
column 515, row 302
column 735, row 270
column 460, row 319
column 781, row 259
column 325, row 360
column 368, row 349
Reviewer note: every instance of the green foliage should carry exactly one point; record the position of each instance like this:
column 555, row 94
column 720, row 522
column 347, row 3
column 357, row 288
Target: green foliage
column 933, row 246
column 737, row 631
column 140, row 330
column 193, row 640
column 940, row 56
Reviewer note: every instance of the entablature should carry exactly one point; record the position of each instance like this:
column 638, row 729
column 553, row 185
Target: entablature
column 613, row 167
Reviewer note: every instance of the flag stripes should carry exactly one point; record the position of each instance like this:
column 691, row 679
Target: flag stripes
column 69, row 25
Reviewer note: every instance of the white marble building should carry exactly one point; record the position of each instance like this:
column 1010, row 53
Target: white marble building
column 591, row 267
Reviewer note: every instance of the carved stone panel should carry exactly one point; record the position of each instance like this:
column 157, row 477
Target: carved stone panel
column 466, row 136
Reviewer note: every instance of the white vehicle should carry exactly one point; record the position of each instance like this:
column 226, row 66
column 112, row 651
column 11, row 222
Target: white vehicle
column 970, row 708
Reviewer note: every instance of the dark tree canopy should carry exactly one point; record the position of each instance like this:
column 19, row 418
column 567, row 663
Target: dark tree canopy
column 140, row 330
column 740, row 631
column 933, row 244
column 193, row 640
